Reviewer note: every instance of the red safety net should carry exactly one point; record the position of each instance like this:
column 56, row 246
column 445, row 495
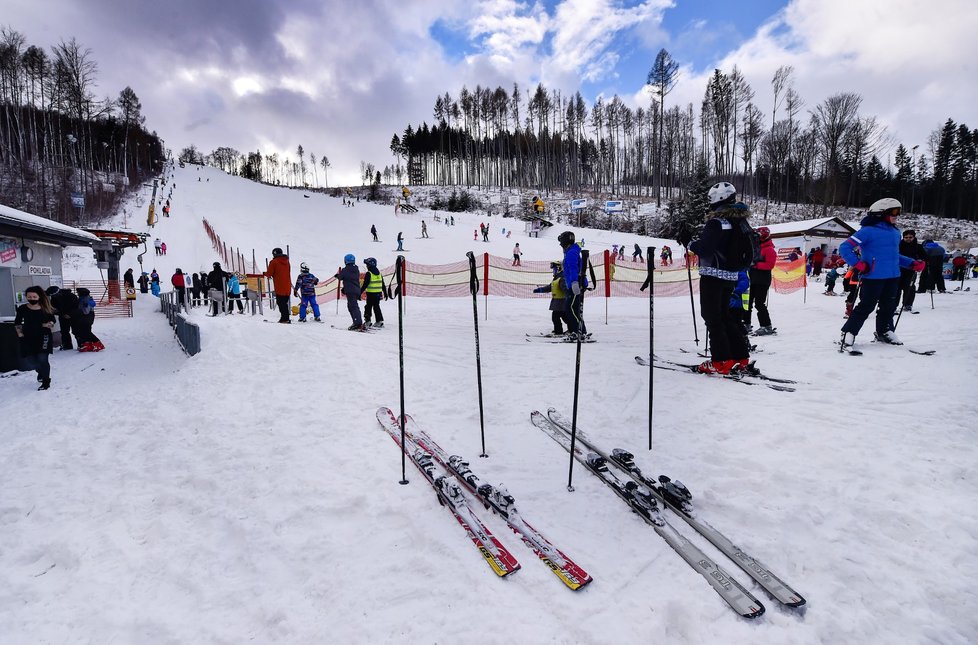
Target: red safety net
column 498, row 276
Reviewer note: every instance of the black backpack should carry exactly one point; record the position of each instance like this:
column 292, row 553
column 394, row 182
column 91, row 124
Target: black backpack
column 744, row 246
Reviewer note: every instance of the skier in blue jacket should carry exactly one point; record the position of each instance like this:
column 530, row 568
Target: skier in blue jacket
column 349, row 275
column 576, row 282
column 305, row 287
column 874, row 250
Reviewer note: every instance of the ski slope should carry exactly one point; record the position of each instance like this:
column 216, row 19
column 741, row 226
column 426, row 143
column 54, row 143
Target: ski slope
column 249, row 494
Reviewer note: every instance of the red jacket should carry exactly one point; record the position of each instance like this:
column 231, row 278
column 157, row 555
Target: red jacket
column 769, row 256
column 280, row 271
column 178, row 280
column 959, row 261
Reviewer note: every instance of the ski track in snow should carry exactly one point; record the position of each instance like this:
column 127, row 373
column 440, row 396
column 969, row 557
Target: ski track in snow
column 248, row 494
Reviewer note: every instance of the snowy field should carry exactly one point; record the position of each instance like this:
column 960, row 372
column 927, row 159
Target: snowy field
column 248, row 494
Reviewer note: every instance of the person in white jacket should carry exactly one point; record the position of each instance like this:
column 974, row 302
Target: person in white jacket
column 516, row 255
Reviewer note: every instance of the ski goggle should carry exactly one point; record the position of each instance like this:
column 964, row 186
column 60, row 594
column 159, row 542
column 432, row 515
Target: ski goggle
column 892, row 212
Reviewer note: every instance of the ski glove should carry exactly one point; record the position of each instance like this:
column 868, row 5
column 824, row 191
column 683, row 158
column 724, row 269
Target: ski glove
column 576, row 288
column 918, row 265
column 862, row 267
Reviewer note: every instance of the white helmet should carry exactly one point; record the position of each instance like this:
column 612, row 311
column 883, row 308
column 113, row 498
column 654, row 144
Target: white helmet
column 304, row 268
column 722, row 193
column 885, row 204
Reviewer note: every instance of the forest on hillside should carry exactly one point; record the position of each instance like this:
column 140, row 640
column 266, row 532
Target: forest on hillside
column 66, row 153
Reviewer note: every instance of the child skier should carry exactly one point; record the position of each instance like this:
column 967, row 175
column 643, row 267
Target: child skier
column 373, row 285
column 558, row 299
column 350, row 276
column 305, row 288
column 830, row 277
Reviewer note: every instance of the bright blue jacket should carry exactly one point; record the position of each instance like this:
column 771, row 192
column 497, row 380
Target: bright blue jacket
column 877, row 244
column 572, row 267
column 234, row 287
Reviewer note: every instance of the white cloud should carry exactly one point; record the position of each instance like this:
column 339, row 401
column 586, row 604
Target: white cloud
column 914, row 63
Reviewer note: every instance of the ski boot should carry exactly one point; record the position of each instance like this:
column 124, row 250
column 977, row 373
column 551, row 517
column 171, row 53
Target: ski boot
column 97, row 346
column 715, row 367
column 766, row 331
column 888, row 337
column 847, row 341
column 379, row 325
column 745, row 367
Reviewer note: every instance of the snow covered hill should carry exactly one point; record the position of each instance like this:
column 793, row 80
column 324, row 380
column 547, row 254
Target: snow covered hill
column 249, row 494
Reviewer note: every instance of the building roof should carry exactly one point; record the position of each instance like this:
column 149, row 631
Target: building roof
column 15, row 223
column 821, row 227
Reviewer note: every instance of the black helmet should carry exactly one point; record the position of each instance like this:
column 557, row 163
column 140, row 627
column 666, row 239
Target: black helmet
column 370, row 262
column 276, row 252
column 217, row 265
column 566, row 238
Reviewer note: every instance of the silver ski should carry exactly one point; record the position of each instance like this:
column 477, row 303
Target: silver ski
column 763, row 576
column 644, row 503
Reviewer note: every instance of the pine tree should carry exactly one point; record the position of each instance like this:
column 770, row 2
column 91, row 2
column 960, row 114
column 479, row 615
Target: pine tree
column 684, row 220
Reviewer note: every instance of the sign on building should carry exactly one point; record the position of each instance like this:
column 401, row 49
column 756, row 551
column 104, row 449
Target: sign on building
column 37, row 270
column 9, row 253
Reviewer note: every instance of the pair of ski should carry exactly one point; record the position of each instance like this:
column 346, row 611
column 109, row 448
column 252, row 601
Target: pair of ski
column 646, row 497
column 554, row 338
column 852, row 351
column 425, row 454
column 747, row 378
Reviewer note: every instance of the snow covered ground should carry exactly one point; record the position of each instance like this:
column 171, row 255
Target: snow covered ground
column 248, row 493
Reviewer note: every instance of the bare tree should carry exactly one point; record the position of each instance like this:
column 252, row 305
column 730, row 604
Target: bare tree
column 833, row 119
column 662, row 78
column 781, row 77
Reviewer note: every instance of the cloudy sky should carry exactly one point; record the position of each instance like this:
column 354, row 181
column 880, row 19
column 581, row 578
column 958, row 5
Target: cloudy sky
column 341, row 77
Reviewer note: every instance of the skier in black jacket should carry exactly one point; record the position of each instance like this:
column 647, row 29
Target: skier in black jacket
column 910, row 247
column 215, row 282
column 350, row 276
column 65, row 304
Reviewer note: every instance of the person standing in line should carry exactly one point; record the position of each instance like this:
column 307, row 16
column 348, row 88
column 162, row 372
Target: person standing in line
column 400, row 241
column 280, row 271
column 760, row 284
column 910, row 247
column 33, row 324
column 65, row 304
column 196, row 287
column 716, row 248
column 373, row 285
column 373, row 231
column 83, row 322
column 154, row 285
column 305, row 288
column 234, row 294
column 179, row 283
column 874, row 250
column 128, row 280
column 818, row 260
column 143, row 282
column 350, row 277
column 935, row 268
column 216, row 281
column 575, row 282
column 158, row 244
column 517, row 255
column 558, row 299
column 637, row 253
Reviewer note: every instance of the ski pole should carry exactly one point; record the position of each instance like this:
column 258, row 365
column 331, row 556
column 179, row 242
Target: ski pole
column 474, row 289
column 692, row 306
column 400, row 359
column 651, row 271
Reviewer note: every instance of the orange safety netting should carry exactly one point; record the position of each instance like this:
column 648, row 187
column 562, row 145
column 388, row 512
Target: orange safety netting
column 498, row 276
column 788, row 276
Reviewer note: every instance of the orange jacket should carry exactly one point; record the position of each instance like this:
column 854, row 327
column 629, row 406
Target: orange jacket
column 280, row 271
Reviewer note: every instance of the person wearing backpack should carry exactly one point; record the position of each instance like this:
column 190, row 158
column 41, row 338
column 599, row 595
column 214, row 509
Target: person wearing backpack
column 760, row 283
column 874, row 250
column 725, row 248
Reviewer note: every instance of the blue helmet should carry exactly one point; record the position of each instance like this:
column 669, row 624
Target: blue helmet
column 349, row 258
